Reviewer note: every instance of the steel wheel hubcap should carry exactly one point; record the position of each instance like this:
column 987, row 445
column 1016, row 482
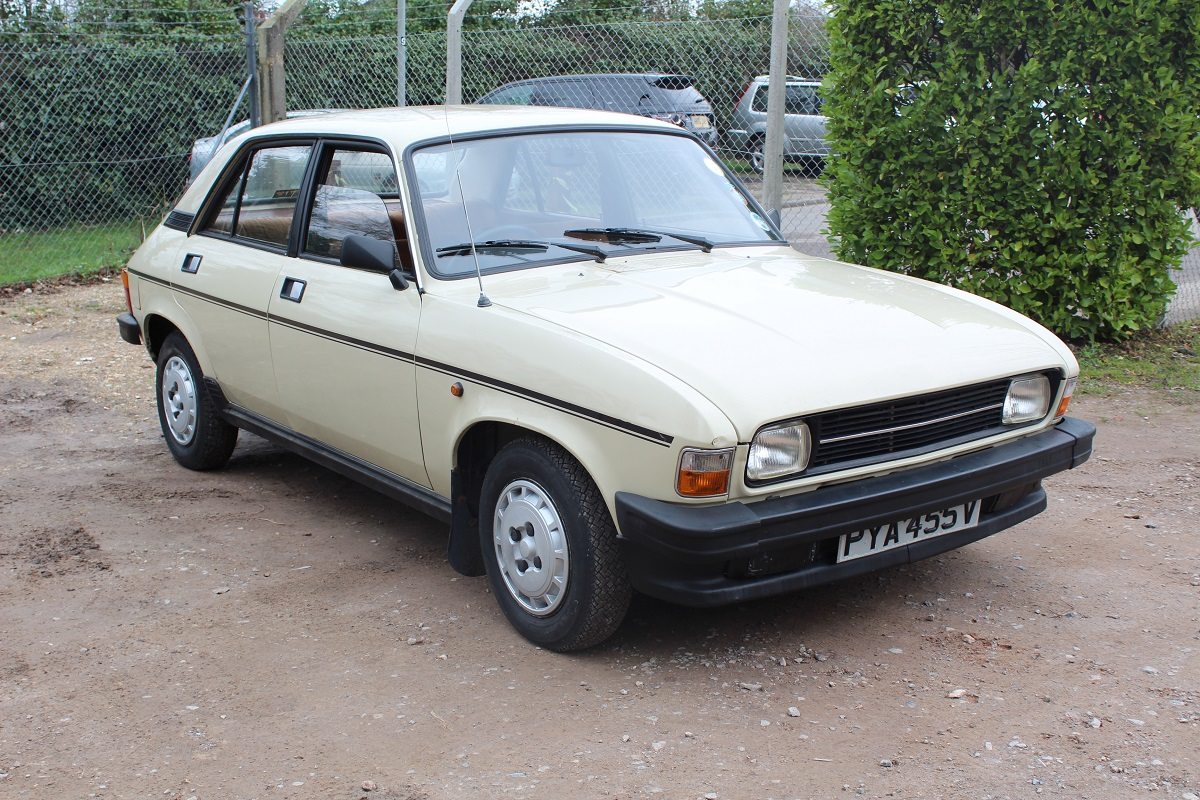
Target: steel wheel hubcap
column 531, row 547
column 179, row 400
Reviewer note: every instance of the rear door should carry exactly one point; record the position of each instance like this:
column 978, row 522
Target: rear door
column 342, row 339
column 227, row 271
column 804, row 124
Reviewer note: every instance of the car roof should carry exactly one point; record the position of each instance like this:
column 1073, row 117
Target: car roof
column 596, row 75
column 401, row 127
column 790, row 79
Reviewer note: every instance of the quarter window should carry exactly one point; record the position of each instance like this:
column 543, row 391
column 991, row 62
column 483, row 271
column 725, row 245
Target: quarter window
column 260, row 202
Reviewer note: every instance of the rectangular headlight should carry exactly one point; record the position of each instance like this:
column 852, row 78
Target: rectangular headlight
column 1028, row 399
column 779, row 450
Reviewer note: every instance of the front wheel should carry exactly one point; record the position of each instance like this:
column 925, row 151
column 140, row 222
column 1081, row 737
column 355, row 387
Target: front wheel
column 550, row 547
column 191, row 422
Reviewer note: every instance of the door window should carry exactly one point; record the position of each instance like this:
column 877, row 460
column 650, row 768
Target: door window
column 356, row 194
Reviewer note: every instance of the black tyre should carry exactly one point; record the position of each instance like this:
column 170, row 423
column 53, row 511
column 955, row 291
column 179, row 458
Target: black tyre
column 551, row 548
column 191, row 422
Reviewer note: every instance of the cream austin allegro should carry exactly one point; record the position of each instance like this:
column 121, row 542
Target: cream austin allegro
column 574, row 337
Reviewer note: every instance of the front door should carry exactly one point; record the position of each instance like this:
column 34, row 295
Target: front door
column 343, row 339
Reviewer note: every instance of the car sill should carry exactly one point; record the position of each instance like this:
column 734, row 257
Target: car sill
column 369, row 475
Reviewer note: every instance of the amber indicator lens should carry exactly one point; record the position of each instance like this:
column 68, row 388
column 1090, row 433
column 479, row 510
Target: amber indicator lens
column 125, row 284
column 1065, row 403
column 704, row 473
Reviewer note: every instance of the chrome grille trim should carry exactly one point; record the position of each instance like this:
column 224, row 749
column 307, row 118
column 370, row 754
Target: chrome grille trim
column 925, row 423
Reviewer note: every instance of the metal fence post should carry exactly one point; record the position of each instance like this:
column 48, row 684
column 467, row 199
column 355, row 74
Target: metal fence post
column 252, row 64
column 776, row 100
column 454, row 23
column 401, row 53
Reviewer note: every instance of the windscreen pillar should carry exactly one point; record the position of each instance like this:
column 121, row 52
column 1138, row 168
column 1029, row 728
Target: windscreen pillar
column 272, row 95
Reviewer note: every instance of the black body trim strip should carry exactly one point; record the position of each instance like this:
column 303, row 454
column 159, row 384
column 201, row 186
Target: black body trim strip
column 546, row 400
column 361, row 344
column 253, row 312
column 633, row 429
column 370, row 475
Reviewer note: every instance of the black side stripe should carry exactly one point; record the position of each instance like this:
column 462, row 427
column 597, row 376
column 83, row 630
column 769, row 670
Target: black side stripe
column 361, row 344
column 253, row 312
column 508, row 388
column 547, row 400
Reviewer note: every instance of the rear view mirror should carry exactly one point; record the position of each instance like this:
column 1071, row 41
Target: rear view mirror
column 365, row 252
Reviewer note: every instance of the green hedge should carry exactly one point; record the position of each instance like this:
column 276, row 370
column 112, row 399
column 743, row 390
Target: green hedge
column 101, row 132
column 1034, row 153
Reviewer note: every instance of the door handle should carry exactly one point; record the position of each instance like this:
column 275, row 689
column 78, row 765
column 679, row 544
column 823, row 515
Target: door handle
column 191, row 263
column 293, row 289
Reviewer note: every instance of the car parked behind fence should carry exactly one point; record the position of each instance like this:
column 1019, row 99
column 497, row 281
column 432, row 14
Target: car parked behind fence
column 671, row 98
column 804, row 125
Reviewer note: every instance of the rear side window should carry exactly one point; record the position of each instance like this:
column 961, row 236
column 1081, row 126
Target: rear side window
column 566, row 94
column 259, row 202
column 512, row 96
column 798, row 100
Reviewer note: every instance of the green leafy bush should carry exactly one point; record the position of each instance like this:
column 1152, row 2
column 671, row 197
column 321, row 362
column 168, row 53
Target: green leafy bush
column 1034, row 153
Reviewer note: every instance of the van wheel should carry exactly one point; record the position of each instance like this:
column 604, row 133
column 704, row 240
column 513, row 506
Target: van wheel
column 551, row 548
column 191, row 422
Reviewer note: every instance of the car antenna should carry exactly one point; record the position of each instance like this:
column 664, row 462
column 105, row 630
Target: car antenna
column 483, row 301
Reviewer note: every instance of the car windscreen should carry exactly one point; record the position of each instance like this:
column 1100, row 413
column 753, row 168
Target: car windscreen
column 524, row 200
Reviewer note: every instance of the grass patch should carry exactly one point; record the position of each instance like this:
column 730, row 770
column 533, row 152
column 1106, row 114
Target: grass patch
column 78, row 250
column 1166, row 359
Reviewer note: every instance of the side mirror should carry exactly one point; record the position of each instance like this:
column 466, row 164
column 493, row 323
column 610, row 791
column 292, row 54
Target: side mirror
column 373, row 255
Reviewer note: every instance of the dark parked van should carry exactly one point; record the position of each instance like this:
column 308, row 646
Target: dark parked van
column 668, row 97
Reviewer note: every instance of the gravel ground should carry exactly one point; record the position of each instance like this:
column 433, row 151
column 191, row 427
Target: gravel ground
column 275, row 631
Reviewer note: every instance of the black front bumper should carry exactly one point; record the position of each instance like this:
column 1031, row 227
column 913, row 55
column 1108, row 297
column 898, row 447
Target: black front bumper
column 713, row 555
column 130, row 330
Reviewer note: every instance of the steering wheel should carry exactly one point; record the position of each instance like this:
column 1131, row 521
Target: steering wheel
column 507, row 232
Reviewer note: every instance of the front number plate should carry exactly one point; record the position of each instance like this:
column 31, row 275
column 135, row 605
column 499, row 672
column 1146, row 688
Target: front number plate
column 890, row 535
column 700, row 122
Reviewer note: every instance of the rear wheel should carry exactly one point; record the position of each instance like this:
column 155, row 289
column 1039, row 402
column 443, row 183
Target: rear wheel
column 550, row 547
column 191, row 422
column 758, row 154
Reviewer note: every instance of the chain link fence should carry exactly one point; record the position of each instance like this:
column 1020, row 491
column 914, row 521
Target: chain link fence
column 95, row 136
column 95, row 139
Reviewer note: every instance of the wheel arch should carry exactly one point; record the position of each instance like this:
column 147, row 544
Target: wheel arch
column 474, row 451
column 157, row 328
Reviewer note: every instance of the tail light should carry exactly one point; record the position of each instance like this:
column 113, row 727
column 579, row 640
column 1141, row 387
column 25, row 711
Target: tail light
column 125, row 284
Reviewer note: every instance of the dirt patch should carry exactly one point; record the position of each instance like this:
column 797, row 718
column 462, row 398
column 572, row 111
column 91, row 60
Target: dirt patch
column 47, row 553
column 251, row 638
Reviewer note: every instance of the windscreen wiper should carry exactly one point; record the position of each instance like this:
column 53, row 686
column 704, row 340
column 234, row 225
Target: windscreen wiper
column 636, row 236
column 517, row 246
